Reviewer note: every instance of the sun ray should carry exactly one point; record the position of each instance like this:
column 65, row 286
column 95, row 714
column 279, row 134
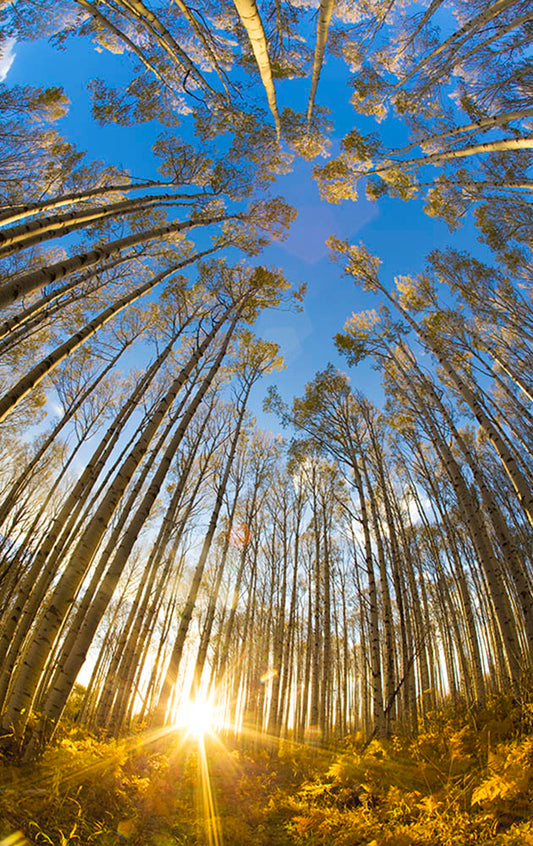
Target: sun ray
column 211, row 821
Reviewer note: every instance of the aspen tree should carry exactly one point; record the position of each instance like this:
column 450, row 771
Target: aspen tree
column 214, row 588
column 443, row 530
column 251, row 508
column 493, row 512
column 288, row 682
column 324, row 17
column 20, row 212
column 202, row 474
column 408, row 72
column 481, row 541
column 325, row 413
column 397, row 560
column 134, row 636
column 389, row 668
column 251, row 21
column 43, row 567
column 36, row 315
column 187, row 314
column 26, row 235
column 104, row 392
column 477, row 529
column 279, row 529
column 83, row 636
column 88, row 602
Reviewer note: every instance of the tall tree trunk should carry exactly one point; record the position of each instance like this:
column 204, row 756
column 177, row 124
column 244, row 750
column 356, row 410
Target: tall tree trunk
column 324, row 17
column 82, row 638
column 43, row 568
column 251, row 21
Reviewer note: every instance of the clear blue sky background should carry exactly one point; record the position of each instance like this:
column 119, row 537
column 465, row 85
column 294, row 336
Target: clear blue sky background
column 399, row 233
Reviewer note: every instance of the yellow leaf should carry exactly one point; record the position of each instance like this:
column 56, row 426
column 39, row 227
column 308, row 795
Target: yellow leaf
column 126, row 828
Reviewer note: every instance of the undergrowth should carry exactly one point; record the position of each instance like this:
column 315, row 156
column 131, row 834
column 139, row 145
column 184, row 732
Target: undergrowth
column 467, row 778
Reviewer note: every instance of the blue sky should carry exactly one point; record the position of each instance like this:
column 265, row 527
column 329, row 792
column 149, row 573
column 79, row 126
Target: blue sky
column 400, row 233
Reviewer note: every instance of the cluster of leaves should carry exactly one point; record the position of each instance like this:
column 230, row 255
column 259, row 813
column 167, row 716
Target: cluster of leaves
column 466, row 778
column 76, row 794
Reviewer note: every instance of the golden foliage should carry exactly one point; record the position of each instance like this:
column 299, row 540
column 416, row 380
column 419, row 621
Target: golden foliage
column 508, row 785
column 362, row 323
column 465, row 780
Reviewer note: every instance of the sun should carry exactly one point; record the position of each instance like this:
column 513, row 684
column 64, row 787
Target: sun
column 197, row 718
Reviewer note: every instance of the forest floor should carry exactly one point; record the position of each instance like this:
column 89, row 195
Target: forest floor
column 467, row 778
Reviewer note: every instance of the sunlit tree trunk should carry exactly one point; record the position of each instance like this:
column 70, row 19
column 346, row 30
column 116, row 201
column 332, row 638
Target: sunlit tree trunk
column 59, row 687
column 317, row 608
column 56, row 226
column 290, row 651
column 151, row 591
column 251, row 21
column 389, row 674
column 279, row 634
column 141, row 13
column 12, row 216
column 324, row 17
column 214, row 591
column 326, row 701
column 375, row 640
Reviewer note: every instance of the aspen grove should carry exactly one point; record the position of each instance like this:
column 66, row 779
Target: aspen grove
column 364, row 558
